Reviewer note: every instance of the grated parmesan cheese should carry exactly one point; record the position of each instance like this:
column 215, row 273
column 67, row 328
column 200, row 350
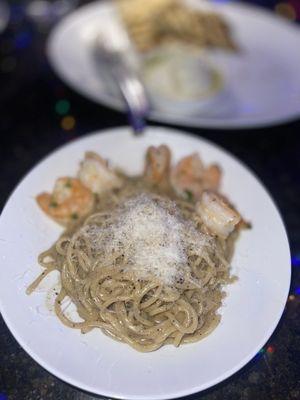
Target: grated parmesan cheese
column 153, row 237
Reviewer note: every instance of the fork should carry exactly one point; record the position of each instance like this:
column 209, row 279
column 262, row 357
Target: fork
column 114, row 55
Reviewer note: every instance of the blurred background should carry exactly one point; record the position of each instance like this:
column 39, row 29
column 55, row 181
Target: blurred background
column 39, row 111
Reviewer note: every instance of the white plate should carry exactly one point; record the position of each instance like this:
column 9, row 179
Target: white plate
column 97, row 363
column 263, row 80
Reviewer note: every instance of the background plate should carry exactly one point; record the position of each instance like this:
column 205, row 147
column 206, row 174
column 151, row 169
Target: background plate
column 263, row 80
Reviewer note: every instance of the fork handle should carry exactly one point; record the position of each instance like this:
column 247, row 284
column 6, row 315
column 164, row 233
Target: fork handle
column 135, row 98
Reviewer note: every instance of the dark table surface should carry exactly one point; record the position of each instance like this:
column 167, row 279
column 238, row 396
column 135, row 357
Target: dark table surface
column 31, row 125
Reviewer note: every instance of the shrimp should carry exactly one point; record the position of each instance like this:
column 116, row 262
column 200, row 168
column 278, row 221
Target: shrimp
column 69, row 201
column 95, row 174
column 212, row 177
column 190, row 178
column 157, row 165
column 220, row 218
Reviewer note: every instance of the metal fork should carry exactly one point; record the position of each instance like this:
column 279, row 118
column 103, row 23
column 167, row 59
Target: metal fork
column 115, row 59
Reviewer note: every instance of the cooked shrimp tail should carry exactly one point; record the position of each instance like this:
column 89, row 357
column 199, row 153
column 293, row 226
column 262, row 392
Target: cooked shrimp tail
column 220, row 218
column 69, row 201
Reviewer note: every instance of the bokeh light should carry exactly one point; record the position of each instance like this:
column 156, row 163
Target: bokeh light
column 270, row 349
column 296, row 261
column 23, row 40
column 68, row 123
column 62, row 107
column 297, row 291
column 286, row 10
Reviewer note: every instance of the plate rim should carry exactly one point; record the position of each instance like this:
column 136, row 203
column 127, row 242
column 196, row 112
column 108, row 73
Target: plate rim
column 193, row 390
column 156, row 115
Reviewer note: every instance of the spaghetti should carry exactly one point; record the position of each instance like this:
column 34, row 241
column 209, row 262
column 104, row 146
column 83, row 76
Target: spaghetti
column 142, row 267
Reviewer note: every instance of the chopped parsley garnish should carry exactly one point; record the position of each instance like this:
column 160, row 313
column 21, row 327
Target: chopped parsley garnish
column 189, row 195
column 68, row 184
column 53, row 204
column 74, row 216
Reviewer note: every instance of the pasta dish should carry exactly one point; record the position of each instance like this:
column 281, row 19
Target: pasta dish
column 143, row 258
column 153, row 23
